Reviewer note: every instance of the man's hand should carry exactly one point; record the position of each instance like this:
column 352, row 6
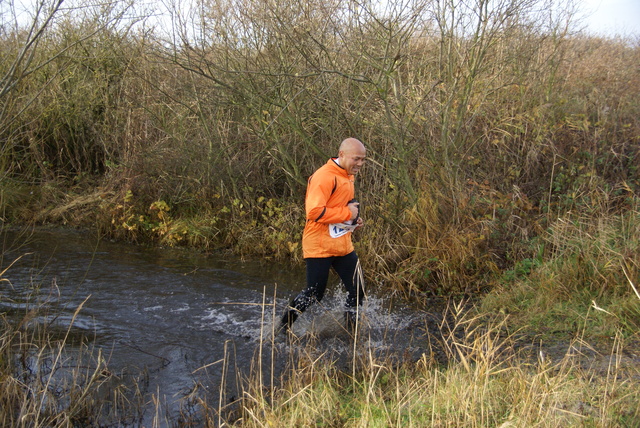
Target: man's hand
column 353, row 207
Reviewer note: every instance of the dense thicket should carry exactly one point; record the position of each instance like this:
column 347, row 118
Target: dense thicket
column 485, row 124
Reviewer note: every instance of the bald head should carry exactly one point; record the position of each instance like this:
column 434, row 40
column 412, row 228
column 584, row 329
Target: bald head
column 351, row 144
column 351, row 155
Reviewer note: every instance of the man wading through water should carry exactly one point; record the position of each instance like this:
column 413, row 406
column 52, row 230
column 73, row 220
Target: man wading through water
column 332, row 215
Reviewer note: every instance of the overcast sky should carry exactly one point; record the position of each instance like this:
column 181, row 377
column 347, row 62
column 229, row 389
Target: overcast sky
column 613, row 17
column 604, row 17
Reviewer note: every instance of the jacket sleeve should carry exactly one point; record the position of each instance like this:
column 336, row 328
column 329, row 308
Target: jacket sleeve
column 319, row 191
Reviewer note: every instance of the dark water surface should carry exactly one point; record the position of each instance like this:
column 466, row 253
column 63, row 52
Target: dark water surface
column 169, row 317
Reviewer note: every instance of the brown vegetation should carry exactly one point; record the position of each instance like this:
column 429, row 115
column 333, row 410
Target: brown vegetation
column 482, row 133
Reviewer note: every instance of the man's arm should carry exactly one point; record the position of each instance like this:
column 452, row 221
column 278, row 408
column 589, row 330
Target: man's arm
column 319, row 190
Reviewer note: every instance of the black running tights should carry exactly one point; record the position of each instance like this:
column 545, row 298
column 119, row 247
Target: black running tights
column 348, row 269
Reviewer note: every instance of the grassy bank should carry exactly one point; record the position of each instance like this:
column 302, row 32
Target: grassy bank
column 590, row 279
column 486, row 383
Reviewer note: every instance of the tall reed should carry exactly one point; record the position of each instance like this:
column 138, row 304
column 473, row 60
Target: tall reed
column 490, row 379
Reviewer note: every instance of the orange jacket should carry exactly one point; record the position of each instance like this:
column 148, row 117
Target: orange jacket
column 329, row 190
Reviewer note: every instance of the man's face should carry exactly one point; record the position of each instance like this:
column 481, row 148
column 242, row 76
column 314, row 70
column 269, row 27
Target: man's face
column 352, row 159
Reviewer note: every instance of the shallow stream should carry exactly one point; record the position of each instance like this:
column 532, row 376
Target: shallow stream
column 171, row 319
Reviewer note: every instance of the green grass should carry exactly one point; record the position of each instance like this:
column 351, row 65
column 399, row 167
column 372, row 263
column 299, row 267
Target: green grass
column 586, row 284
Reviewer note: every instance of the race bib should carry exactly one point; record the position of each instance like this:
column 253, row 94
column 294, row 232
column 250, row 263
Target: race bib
column 337, row 230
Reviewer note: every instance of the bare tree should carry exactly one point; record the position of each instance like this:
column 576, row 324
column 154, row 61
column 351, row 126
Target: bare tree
column 19, row 58
column 30, row 42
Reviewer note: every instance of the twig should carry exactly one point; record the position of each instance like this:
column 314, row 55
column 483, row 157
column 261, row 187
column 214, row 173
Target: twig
column 630, row 282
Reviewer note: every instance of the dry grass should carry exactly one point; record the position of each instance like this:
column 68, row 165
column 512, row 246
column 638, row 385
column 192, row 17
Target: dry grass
column 52, row 376
column 45, row 381
column 487, row 382
column 586, row 275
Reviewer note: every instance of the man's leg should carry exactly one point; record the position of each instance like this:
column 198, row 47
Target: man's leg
column 317, row 278
column 348, row 268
